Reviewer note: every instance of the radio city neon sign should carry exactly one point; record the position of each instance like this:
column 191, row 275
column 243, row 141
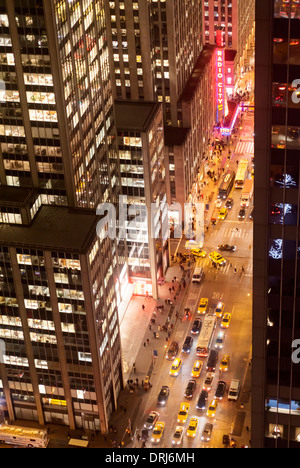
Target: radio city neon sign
column 220, row 83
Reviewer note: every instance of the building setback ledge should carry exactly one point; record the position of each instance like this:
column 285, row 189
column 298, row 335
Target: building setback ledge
column 53, row 228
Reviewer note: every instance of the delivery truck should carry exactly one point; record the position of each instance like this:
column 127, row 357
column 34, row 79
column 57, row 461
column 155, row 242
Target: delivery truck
column 247, row 193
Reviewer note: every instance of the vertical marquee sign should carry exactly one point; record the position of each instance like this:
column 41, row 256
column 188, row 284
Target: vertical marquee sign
column 220, row 84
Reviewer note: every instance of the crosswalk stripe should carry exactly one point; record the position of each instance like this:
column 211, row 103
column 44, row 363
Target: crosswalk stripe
column 245, row 147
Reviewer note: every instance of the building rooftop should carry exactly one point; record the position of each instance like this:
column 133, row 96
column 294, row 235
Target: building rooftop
column 135, row 115
column 53, row 228
column 230, row 55
column 203, row 60
column 175, row 136
column 15, row 195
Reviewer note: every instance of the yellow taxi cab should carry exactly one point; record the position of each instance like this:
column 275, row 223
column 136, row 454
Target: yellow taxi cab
column 223, row 213
column 197, row 368
column 198, row 253
column 176, row 366
column 158, row 432
column 226, row 320
column 215, row 257
column 202, row 307
column 183, row 413
column 212, row 408
column 224, row 365
column 219, row 309
column 192, row 427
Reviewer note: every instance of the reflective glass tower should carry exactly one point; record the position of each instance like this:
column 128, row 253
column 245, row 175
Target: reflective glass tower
column 276, row 323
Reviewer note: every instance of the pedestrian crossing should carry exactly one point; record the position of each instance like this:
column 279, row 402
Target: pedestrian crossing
column 230, row 232
column 245, row 148
column 231, row 269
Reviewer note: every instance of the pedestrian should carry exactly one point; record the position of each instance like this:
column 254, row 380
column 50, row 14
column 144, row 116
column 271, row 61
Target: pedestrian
column 143, row 307
column 148, row 341
column 154, row 335
column 170, row 289
column 144, row 344
column 134, row 367
column 154, row 313
column 234, row 270
column 150, row 328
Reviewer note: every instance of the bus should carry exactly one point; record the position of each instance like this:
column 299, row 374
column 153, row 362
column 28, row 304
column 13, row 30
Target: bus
column 226, row 184
column 23, row 436
column 206, row 335
column 241, row 174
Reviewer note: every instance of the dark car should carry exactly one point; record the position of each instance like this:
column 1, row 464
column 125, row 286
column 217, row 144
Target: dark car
column 242, row 213
column 212, row 361
column 227, row 247
column 229, row 203
column 201, row 404
column 173, row 351
column 163, row 395
column 190, row 389
column 187, row 344
column 196, row 326
column 220, row 390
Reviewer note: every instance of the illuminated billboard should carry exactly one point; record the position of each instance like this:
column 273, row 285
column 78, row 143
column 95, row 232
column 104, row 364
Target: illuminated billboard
column 220, row 84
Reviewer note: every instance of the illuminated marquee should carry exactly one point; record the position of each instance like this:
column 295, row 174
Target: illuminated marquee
column 220, row 84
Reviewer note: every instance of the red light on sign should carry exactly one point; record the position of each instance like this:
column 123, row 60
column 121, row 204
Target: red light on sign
column 220, row 83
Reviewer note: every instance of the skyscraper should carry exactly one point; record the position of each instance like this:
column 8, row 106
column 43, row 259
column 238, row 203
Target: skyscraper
column 276, row 324
column 153, row 49
column 235, row 18
column 58, row 162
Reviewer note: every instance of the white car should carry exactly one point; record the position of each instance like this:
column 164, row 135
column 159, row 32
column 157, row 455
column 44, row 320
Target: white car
column 218, row 202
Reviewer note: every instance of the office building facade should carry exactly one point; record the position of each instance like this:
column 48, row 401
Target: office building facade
column 234, row 21
column 153, row 48
column 143, row 178
column 275, row 369
column 58, row 163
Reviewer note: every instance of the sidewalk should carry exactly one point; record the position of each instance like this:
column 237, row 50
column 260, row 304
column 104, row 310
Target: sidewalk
column 139, row 343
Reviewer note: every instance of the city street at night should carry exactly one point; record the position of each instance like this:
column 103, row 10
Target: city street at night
column 149, row 226
column 232, row 285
